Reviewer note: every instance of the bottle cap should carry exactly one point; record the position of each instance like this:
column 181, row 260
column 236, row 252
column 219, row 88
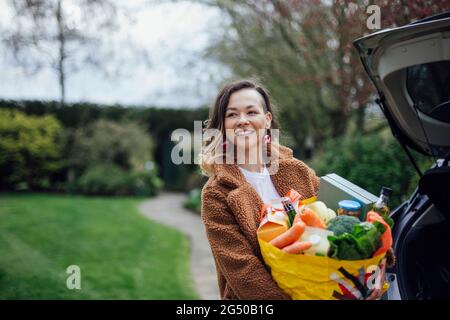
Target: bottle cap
column 386, row 191
column 349, row 205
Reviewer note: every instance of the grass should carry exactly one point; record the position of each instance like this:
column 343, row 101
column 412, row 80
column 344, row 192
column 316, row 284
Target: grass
column 121, row 254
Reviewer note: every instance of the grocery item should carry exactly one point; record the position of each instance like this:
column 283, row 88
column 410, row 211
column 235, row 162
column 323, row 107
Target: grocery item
column 386, row 237
column 270, row 231
column 319, row 240
column 342, row 224
column 290, row 236
column 331, row 215
column 308, row 200
column 334, row 188
column 274, row 222
column 381, row 206
column 294, row 196
column 297, row 247
column 314, row 263
column 349, row 208
column 324, row 213
column 308, row 277
column 361, row 244
column 289, row 209
column 310, row 218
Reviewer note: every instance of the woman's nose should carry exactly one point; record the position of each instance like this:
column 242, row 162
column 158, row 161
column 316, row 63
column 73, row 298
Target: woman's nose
column 242, row 119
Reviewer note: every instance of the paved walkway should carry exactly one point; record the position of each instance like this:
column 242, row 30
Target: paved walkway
column 167, row 209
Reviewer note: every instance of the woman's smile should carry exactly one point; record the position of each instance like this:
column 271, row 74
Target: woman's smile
column 243, row 132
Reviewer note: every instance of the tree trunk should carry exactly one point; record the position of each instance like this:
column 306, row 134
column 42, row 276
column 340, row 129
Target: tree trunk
column 62, row 53
column 361, row 119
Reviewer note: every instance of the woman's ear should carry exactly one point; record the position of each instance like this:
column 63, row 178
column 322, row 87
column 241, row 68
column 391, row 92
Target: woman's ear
column 268, row 119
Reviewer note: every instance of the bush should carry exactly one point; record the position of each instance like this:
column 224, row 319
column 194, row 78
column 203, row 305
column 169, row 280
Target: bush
column 111, row 158
column 146, row 183
column 371, row 162
column 193, row 201
column 103, row 179
column 110, row 179
column 158, row 123
column 30, row 150
column 125, row 145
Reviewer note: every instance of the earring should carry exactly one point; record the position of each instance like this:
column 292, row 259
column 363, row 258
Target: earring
column 267, row 143
column 224, row 146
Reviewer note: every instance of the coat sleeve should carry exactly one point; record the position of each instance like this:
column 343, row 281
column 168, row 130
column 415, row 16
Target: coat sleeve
column 315, row 180
column 234, row 256
column 310, row 176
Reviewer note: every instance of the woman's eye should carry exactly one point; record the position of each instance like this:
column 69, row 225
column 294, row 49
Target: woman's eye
column 253, row 112
column 231, row 115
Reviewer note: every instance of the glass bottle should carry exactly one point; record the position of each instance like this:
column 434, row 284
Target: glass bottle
column 382, row 207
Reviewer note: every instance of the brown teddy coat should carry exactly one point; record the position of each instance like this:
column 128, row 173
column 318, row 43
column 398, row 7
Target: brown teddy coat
column 231, row 212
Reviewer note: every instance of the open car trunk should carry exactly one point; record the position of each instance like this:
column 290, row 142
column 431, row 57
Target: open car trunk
column 422, row 240
column 410, row 67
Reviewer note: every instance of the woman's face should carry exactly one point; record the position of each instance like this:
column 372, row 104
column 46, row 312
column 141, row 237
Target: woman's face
column 244, row 119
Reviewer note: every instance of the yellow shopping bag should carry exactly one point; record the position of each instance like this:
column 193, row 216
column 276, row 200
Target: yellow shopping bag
column 307, row 277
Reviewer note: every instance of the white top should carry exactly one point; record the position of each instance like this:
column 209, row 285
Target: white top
column 262, row 183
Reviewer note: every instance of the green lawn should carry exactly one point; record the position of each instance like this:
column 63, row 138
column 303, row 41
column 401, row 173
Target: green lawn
column 121, row 254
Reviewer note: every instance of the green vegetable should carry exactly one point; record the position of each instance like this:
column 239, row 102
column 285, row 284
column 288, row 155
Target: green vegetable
column 360, row 244
column 388, row 220
column 342, row 224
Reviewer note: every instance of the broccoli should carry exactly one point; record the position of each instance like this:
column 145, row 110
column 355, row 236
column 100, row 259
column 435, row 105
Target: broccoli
column 342, row 224
column 360, row 244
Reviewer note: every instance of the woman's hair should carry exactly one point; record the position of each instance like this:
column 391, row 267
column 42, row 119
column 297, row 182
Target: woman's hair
column 217, row 120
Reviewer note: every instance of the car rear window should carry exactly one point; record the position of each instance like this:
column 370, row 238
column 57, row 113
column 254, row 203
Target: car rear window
column 429, row 88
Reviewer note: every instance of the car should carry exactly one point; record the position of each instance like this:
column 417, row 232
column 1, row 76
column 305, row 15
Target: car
column 410, row 68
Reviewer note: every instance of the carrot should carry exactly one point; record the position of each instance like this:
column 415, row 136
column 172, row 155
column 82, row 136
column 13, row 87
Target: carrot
column 297, row 218
column 290, row 236
column 310, row 218
column 297, row 247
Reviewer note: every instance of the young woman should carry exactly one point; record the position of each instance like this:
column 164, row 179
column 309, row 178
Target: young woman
column 246, row 168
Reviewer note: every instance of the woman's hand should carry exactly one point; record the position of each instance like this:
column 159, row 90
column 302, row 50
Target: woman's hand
column 377, row 293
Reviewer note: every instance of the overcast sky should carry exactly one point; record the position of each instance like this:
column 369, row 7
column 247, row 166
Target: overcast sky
column 175, row 36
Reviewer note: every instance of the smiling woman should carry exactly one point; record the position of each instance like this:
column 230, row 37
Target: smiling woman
column 243, row 118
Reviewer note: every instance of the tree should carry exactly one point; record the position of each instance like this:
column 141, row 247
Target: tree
column 302, row 50
column 62, row 34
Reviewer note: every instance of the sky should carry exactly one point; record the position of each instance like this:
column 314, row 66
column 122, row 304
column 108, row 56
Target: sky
column 174, row 35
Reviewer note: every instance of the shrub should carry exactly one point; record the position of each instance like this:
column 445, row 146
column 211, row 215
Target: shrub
column 30, row 150
column 103, row 179
column 193, row 201
column 125, row 145
column 158, row 123
column 146, row 183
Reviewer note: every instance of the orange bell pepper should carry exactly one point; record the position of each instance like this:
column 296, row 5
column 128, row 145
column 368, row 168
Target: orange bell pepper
column 386, row 237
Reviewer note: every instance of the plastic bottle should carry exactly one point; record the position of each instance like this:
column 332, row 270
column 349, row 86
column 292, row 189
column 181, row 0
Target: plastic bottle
column 319, row 240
